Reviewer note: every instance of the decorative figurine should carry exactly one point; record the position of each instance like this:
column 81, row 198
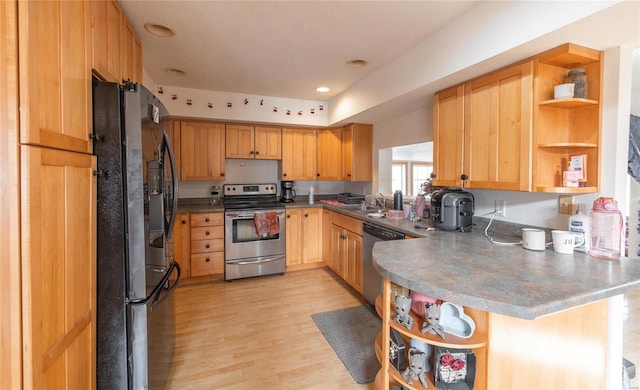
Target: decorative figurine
column 416, row 367
column 432, row 315
column 403, row 308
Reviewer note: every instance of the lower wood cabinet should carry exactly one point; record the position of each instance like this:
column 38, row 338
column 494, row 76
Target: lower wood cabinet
column 304, row 237
column 345, row 242
column 198, row 244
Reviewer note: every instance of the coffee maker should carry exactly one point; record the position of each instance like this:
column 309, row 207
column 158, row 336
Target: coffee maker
column 288, row 192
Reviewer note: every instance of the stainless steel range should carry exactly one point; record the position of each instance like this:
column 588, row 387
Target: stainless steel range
column 254, row 231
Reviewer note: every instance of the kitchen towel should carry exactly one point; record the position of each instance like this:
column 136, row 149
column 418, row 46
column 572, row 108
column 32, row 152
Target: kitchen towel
column 266, row 224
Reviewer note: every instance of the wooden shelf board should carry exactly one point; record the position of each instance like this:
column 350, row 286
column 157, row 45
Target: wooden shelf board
column 396, row 376
column 378, row 347
column 568, row 103
column 568, row 145
column 567, row 190
column 451, row 341
column 569, row 56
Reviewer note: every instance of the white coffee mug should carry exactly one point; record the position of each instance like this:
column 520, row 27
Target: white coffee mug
column 564, row 241
column 533, row 239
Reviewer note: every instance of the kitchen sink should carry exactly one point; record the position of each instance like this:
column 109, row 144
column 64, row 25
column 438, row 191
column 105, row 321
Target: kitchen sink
column 367, row 210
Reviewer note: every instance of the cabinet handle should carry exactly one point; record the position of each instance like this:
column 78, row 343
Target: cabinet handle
column 207, row 260
column 284, row 175
column 288, row 216
column 207, row 246
column 348, row 175
column 251, row 152
column 464, row 177
column 222, row 174
column 306, row 215
column 317, row 174
column 206, row 233
column 257, row 152
column 432, row 175
column 184, row 221
column 206, row 219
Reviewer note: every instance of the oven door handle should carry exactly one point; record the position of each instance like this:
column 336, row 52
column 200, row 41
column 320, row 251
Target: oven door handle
column 257, row 261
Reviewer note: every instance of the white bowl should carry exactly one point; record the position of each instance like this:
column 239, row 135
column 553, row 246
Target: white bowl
column 563, row 91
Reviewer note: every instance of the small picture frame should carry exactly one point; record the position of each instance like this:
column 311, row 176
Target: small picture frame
column 578, row 162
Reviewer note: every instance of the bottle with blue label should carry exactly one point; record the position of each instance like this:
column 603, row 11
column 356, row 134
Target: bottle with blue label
column 581, row 223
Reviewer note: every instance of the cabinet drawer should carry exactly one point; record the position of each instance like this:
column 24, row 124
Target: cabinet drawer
column 206, row 233
column 207, row 263
column 204, row 246
column 208, row 219
column 352, row 224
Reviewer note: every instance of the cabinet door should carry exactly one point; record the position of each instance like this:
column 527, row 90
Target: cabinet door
column 353, row 260
column 202, row 151
column 498, row 129
column 298, row 154
column 239, row 141
column 448, row 136
column 357, row 152
column 131, row 53
column 330, row 154
column 58, row 226
column 106, row 19
column 294, row 236
column 267, row 143
column 182, row 244
column 338, row 245
column 312, row 235
column 55, row 82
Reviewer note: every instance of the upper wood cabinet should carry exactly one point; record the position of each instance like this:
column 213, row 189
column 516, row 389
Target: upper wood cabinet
column 299, row 154
column 202, row 153
column 131, row 53
column 330, row 154
column 498, row 128
column 55, row 81
column 566, row 127
column 505, row 131
column 448, row 137
column 107, row 20
column 257, row 142
column 357, row 152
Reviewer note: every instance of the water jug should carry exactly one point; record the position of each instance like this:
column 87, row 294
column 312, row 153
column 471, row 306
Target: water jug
column 606, row 229
column 397, row 200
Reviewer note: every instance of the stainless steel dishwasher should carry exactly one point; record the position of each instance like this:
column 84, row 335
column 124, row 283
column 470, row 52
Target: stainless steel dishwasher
column 372, row 281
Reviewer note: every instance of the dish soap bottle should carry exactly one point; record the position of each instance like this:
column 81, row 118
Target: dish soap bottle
column 580, row 223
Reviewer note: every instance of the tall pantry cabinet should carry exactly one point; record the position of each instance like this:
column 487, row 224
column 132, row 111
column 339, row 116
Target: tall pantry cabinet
column 48, row 287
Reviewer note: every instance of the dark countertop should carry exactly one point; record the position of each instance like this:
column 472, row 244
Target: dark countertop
column 467, row 269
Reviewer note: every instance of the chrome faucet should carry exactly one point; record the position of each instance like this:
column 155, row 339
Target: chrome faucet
column 377, row 200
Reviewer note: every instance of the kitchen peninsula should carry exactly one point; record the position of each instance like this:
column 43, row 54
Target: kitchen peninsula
column 542, row 318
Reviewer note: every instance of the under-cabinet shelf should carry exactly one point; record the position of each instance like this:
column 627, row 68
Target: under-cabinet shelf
column 451, row 341
column 568, row 145
column 568, row 103
column 567, row 190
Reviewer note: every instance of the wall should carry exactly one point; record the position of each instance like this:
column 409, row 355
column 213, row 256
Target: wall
column 528, row 208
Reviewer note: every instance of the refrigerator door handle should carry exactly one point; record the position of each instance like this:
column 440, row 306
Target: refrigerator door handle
column 159, row 297
column 158, row 286
column 174, row 184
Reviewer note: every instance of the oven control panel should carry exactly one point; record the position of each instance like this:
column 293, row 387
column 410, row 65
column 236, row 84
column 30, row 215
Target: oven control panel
column 250, row 189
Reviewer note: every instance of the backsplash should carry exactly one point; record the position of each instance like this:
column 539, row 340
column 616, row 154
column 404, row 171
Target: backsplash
column 266, row 171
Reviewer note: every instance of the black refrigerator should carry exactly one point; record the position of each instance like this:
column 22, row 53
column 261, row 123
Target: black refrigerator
column 136, row 206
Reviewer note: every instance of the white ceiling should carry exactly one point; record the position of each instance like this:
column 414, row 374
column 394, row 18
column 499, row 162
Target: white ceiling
column 282, row 48
column 287, row 48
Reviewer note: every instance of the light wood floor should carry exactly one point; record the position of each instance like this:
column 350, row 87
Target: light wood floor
column 258, row 333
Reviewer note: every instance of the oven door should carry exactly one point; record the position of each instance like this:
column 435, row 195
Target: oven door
column 241, row 240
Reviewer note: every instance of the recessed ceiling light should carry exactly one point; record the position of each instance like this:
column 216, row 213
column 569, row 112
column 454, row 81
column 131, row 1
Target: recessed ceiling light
column 175, row 72
column 323, row 89
column 356, row 63
column 159, row 30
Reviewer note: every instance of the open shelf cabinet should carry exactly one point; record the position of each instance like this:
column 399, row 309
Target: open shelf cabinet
column 389, row 374
column 569, row 126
